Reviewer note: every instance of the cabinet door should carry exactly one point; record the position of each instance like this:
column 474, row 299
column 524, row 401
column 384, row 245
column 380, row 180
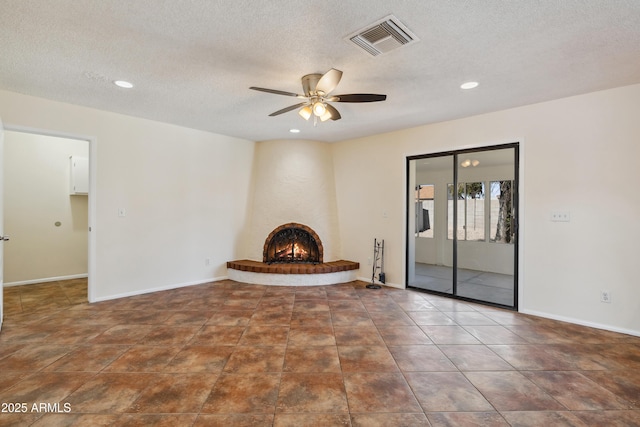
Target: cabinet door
column 79, row 175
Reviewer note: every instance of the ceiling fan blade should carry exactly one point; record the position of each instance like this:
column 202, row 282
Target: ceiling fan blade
column 277, row 92
column 335, row 115
column 358, row 97
column 329, row 81
column 285, row 110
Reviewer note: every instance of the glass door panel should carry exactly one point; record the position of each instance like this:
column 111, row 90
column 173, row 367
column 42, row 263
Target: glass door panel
column 484, row 247
column 432, row 263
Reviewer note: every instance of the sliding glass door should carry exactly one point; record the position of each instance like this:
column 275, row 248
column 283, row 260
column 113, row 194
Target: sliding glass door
column 432, row 257
column 462, row 224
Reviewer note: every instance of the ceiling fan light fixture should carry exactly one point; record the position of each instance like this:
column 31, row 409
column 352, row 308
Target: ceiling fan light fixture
column 305, row 112
column 319, row 109
column 326, row 116
column 468, row 162
column 317, row 89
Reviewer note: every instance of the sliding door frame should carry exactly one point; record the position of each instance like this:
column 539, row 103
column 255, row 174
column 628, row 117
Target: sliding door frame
column 515, row 206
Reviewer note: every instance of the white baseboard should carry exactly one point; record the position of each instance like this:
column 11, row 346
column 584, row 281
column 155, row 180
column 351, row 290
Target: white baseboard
column 45, row 279
column 377, row 282
column 158, row 289
column 581, row 322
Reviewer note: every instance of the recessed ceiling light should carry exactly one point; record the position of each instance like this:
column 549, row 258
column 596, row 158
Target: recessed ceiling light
column 124, row 84
column 294, row 130
column 469, row 85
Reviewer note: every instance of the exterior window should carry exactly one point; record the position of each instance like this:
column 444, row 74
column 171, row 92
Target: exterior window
column 502, row 229
column 470, row 200
column 425, row 210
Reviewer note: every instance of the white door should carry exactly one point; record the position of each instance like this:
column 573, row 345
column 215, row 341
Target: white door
column 2, row 236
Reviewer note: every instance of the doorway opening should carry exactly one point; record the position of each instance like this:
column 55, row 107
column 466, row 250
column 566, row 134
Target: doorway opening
column 462, row 224
column 47, row 209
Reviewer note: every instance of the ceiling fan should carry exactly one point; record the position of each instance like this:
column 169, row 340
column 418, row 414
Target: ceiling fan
column 317, row 89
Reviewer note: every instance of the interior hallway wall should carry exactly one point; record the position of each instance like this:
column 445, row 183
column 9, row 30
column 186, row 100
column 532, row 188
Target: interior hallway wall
column 36, row 198
column 185, row 194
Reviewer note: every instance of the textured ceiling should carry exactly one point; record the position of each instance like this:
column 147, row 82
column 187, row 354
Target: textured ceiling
column 192, row 62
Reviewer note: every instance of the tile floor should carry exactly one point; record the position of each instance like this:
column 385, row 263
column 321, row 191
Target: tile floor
column 233, row 354
column 479, row 285
column 50, row 295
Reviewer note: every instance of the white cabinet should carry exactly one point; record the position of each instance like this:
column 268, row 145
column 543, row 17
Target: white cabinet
column 79, row 184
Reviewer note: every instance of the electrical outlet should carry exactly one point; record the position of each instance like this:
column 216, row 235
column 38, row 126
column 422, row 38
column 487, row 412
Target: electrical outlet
column 560, row 216
column 368, row 261
column 605, row 296
column 207, row 261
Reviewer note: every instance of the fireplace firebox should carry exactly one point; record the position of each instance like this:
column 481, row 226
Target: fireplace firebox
column 293, row 243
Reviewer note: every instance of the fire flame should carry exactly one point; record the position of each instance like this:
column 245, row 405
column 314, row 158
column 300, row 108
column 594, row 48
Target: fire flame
column 294, row 251
column 299, row 251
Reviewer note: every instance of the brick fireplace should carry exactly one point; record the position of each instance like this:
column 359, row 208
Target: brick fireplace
column 293, row 243
column 293, row 255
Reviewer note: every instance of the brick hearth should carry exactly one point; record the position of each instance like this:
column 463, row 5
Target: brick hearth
column 323, row 268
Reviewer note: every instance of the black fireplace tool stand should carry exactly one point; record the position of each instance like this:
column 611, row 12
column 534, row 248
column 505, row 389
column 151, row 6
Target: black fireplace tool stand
column 378, row 264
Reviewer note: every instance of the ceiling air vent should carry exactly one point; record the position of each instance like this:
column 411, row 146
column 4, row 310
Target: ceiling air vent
column 382, row 36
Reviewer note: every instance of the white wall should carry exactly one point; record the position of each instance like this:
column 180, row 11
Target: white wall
column 36, row 197
column 370, row 191
column 571, row 148
column 293, row 182
column 185, row 193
